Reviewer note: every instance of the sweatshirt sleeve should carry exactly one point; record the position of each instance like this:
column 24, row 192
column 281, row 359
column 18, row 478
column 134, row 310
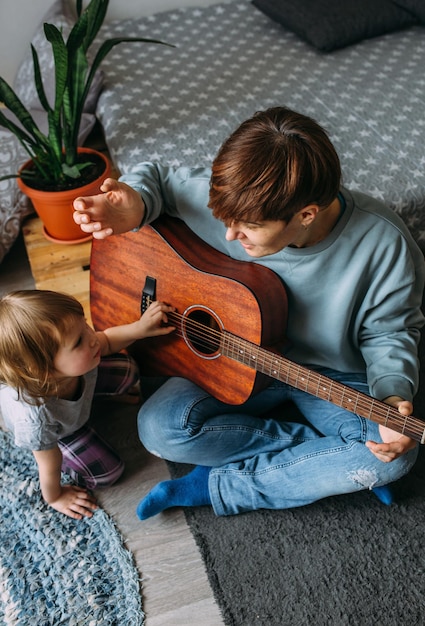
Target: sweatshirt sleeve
column 390, row 332
column 178, row 192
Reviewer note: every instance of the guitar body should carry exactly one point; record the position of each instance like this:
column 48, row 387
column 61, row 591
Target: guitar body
column 207, row 288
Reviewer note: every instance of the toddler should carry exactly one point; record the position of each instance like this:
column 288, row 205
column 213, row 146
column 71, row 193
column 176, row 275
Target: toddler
column 52, row 363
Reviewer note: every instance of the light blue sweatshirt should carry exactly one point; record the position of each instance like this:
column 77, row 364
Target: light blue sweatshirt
column 354, row 298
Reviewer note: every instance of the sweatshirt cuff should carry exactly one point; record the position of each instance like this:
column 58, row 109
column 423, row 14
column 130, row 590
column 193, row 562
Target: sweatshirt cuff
column 392, row 386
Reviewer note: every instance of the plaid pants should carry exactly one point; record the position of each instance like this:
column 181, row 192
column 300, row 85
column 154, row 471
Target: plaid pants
column 86, row 457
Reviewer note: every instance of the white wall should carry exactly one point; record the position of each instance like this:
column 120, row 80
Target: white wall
column 19, row 19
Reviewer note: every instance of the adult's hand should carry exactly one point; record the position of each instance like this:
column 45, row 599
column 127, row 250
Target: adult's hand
column 118, row 209
column 394, row 445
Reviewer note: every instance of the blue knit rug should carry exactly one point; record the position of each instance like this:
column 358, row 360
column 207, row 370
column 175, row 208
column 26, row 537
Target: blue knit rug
column 55, row 570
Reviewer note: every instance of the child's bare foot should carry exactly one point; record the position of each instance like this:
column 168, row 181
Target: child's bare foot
column 118, row 209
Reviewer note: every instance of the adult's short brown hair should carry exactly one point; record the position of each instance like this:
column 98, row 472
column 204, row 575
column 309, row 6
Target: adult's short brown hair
column 272, row 166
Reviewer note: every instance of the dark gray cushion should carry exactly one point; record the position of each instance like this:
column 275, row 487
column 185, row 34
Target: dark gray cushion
column 331, row 24
column 415, row 7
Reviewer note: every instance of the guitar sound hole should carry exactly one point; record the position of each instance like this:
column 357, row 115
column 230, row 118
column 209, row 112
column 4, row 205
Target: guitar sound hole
column 202, row 331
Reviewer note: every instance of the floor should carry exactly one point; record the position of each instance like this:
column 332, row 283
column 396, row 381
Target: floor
column 15, row 272
column 175, row 589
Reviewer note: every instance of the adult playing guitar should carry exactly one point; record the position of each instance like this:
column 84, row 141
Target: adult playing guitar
column 353, row 281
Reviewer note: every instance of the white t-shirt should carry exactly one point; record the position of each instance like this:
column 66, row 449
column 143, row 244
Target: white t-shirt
column 40, row 427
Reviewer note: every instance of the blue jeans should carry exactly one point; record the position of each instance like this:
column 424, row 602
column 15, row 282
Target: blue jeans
column 263, row 463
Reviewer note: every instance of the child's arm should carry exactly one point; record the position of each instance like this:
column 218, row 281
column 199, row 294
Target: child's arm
column 71, row 500
column 150, row 324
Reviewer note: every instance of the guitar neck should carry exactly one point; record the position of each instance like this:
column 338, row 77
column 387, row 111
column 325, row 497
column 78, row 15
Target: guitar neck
column 278, row 367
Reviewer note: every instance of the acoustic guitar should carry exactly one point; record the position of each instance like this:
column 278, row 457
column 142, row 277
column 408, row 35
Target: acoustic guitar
column 230, row 319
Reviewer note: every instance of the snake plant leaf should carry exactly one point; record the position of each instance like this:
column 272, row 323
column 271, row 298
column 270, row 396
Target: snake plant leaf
column 77, row 74
column 14, row 104
column 78, row 34
column 60, row 55
column 38, row 81
column 73, row 172
column 96, row 13
column 55, row 141
column 25, row 139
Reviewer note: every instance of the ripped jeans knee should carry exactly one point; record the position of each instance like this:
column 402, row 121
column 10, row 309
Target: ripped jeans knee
column 384, row 473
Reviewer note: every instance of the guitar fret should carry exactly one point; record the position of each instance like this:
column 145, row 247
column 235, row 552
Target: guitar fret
column 274, row 369
column 303, row 382
column 261, row 363
column 249, row 358
column 329, row 390
column 297, row 371
column 322, row 389
column 341, row 402
column 386, row 419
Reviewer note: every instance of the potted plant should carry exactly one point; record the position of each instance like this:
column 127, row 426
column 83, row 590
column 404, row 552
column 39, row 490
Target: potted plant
column 57, row 169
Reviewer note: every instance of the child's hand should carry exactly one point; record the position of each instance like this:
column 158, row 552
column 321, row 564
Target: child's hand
column 75, row 502
column 154, row 320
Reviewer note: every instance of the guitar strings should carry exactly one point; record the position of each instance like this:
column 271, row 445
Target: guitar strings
column 336, row 391
column 275, row 365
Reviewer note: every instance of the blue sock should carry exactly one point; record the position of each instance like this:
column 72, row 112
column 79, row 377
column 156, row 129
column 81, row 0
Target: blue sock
column 384, row 494
column 190, row 490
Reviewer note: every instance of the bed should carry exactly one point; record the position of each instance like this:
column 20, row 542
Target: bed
column 357, row 70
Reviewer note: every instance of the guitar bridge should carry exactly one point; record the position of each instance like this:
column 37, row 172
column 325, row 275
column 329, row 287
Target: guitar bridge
column 148, row 293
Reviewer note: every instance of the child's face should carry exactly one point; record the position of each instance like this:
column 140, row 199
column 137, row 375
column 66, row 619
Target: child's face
column 79, row 351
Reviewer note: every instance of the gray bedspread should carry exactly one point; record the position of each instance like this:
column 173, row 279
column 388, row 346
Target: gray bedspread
column 176, row 105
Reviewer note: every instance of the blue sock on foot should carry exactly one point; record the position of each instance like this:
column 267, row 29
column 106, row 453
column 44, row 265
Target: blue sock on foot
column 384, row 494
column 190, row 490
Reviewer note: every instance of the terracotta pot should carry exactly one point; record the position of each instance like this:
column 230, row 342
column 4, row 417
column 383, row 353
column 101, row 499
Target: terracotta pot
column 55, row 208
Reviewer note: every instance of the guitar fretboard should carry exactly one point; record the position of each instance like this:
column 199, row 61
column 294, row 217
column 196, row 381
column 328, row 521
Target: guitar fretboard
column 307, row 380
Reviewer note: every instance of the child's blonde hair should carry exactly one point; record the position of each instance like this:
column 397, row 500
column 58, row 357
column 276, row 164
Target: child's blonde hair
column 32, row 325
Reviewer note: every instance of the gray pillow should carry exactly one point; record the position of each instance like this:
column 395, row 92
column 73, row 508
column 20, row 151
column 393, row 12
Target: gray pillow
column 14, row 206
column 332, row 24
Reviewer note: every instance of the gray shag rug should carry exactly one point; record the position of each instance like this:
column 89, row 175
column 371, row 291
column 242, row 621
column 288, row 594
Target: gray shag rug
column 347, row 560
column 55, row 570
column 343, row 561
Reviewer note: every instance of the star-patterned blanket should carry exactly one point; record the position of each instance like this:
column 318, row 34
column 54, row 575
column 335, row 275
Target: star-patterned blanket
column 177, row 105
